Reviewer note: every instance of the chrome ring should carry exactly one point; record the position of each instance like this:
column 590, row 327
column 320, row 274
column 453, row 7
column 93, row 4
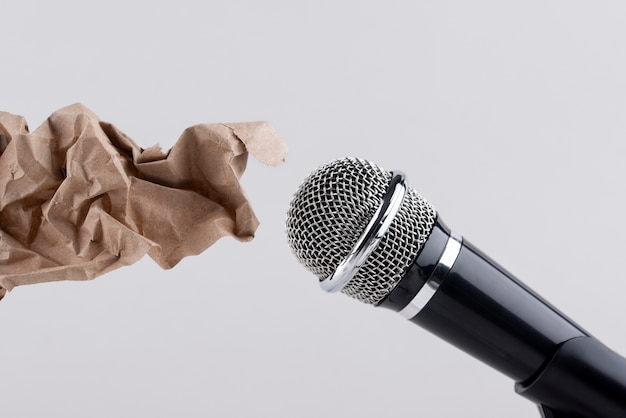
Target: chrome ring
column 371, row 236
column 446, row 261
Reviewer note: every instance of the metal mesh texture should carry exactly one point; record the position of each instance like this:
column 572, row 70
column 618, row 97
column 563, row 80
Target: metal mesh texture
column 331, row 209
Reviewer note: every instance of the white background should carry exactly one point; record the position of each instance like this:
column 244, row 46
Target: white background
column 510, row 117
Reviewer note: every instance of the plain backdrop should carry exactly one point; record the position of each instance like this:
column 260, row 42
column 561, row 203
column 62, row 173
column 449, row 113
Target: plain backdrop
column 510, row 117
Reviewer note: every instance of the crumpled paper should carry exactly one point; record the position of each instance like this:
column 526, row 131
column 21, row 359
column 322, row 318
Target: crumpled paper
column 78, row 198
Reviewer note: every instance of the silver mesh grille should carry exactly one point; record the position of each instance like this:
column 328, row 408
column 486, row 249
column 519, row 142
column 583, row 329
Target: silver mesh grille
column 331, row 209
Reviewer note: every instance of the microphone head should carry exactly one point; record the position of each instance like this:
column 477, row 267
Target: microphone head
column 330, row 211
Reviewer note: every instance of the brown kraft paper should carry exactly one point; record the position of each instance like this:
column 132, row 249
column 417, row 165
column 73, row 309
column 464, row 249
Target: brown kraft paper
column 78, row 198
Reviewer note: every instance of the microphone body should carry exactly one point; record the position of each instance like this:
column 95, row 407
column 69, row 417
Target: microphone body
column 479, row 307
column 364, row 232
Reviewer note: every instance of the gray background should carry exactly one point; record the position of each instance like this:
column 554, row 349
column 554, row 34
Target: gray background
column 510, row 117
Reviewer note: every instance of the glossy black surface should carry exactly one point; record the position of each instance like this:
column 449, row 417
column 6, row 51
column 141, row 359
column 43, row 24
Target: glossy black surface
column 482, row 309
column 485, row 311
column 583, row 379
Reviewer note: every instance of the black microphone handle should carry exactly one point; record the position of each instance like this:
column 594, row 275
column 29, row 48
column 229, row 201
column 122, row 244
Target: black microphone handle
column 485, row 311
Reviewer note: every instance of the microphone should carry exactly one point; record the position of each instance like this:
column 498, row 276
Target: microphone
column 363, row 231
